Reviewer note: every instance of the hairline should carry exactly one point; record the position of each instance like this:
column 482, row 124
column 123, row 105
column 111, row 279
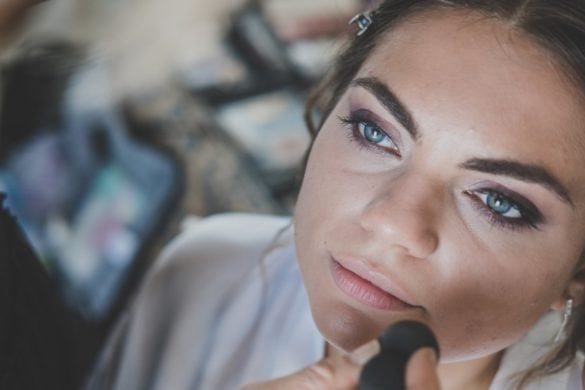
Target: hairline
column 557, row 60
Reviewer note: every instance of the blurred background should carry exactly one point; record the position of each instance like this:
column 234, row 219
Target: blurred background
column 124, row 120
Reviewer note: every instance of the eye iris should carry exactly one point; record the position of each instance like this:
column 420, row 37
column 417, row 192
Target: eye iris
column 373, row 134
column 498, row 203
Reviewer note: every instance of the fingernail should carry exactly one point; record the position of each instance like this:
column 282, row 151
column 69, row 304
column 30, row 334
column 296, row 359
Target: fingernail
column 421, row 372
column 429, row 355
column 364, row 353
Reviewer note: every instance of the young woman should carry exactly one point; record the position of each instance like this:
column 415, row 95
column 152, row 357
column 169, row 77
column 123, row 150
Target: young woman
column 445, row 184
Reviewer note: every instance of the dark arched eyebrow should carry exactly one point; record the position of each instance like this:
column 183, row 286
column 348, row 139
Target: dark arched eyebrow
column 524, row 172
column 390, row 101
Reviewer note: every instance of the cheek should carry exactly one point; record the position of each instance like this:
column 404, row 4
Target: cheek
column 328, row 184
column 485, row 301
column 316, row 205
column 329, row 201
column 334, row 192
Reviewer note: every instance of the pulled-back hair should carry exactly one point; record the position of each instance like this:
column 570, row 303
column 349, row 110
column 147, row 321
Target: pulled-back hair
column 558, row 26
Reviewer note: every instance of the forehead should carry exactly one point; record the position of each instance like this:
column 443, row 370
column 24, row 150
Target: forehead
column 464, row 73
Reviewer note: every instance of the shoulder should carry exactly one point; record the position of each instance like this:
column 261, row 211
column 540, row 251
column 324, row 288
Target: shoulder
column 218, row 245
column 227, row 229
column 220, row 235
column 173, row 314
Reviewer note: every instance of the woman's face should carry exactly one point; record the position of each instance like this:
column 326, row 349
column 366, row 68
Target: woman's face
column 446, row 186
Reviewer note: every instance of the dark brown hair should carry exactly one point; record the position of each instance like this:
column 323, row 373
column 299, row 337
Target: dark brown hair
column 556, row 25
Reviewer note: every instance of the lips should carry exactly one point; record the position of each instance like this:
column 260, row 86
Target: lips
column 364, row 291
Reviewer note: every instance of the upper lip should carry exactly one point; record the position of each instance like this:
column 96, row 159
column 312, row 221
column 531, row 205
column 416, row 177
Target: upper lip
column 361, row 268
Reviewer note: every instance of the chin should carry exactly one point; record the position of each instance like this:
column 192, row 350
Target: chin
column 345, row 327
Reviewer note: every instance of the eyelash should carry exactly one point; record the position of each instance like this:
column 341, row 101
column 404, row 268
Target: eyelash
column 353, row 120
column 530, row 217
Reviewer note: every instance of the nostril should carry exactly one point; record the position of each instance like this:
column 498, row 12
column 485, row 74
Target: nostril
column 426, row 245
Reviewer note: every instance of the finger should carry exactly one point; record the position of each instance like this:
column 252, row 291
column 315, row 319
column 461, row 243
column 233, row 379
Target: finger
column 421, row 371
column 364, row 353
column 326, row 374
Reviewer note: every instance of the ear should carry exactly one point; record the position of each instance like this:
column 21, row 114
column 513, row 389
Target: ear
column 575, row 289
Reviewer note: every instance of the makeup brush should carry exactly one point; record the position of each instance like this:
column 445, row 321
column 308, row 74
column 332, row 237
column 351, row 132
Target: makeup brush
column 387, row 369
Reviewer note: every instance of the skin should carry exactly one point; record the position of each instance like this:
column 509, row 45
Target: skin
column 412, row 213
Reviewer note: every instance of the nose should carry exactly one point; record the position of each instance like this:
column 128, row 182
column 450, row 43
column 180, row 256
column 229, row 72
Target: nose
column 403, row 216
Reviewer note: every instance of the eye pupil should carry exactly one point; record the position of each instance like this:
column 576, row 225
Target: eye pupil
column 373, row 134
column 498, row 203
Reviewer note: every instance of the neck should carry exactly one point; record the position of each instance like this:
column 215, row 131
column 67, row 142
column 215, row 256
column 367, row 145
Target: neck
column 471, row 374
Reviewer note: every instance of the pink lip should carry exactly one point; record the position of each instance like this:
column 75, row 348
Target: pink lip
column 364, row 291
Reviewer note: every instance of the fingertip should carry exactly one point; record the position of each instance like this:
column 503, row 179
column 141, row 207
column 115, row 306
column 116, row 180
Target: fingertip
column 421, row 371
column 427, row 354
column 364, row 353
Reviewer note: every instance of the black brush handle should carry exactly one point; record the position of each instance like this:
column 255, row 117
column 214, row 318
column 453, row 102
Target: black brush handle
column 386, row 371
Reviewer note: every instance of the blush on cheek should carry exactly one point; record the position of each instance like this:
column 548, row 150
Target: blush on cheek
column 480, row 332
column 470, row 340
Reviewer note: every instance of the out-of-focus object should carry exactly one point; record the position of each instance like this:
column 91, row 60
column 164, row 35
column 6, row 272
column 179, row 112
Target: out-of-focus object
column 43, row 344
column 89, row 198
column 12, row 13
column 262, row 108
column 309, row 19
column 270, row 129
column 33, row 85
column 270, row 45
column 88, row 222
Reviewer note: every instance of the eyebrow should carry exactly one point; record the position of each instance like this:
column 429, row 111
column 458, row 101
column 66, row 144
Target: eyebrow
column 390, row 101
column 525, row 172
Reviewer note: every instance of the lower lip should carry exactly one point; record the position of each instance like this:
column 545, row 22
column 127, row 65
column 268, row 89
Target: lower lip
column 364, row 291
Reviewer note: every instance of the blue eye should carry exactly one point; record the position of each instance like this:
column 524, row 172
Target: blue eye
column 371, row 133
column 368, row 134
column 502, row 205
column 506, row 210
